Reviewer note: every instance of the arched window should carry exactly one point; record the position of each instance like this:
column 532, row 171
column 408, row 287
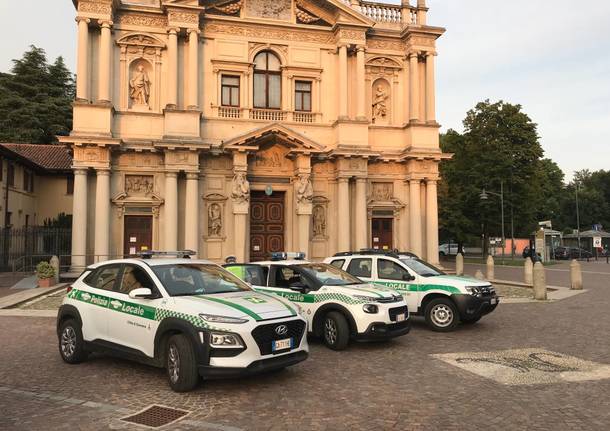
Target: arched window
column 267, row 81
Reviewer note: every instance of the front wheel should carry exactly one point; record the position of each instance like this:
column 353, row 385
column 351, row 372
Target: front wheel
column 71, row 343
column 336, row 331
column 181, row 364
column 441, row 315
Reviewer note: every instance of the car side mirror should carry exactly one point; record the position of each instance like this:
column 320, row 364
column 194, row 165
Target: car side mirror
column 141, row 293
column 408, row 277
column 298, row 287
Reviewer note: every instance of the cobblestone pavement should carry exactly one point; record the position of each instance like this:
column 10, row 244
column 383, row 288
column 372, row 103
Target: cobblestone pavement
column 396, row 385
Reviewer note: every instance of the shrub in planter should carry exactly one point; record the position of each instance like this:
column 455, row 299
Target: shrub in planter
column 46, row 274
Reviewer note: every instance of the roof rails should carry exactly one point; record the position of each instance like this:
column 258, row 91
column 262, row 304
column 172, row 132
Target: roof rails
column 390, row 253
column 180, row 254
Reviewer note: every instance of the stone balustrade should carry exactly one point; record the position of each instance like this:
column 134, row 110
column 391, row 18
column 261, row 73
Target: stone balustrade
column 391, row 15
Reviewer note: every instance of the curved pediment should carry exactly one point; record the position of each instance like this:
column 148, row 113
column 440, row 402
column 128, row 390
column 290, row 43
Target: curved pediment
column 141, row 39
column 381, row 61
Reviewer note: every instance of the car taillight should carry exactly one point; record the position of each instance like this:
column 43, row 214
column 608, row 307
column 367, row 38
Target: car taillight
column 69, row 288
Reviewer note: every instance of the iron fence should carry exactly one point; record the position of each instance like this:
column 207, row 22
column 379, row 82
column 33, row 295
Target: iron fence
column 21, row 249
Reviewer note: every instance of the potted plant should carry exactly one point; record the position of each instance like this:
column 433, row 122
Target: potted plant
column 46, row 274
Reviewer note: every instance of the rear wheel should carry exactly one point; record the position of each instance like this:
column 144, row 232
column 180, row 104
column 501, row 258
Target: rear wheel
column 71, row 344
column 336, row 331
column 441, row 315
column 181, row 364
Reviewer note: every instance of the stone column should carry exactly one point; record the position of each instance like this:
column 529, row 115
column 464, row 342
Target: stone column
column 191, row 212
column 343, row 215
column 430, row 88
column 360, row 84
column 414, row 86
column 193, row 70
column 360, row 219
column 102, row 215
column 82, row 60
column 415, row 216
column 304, row 221
column 79, row 220
column 343, row 87
column 171, row 211
column 104, row 61
column 422, row 11
column 172, row 70
column 432, row 222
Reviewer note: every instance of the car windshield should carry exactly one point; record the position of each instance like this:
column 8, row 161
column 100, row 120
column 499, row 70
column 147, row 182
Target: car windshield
column 422, row 268
column 197, row 279
column 329, row 275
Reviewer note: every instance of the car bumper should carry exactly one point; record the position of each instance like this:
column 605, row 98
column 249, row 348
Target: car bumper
column 256, row 367
column 384, row 331
column 470, row 307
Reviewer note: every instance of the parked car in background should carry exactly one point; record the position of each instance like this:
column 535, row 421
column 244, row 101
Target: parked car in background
column 561, row 253
column 449, row 249
column 580, row 253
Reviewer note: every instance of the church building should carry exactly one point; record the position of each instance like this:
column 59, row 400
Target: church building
column 243, row 127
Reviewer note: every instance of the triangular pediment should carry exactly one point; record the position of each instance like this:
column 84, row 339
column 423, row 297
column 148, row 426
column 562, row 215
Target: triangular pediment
column 273, row 133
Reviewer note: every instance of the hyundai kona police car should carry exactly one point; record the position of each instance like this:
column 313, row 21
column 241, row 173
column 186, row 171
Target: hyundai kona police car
column 190, row 316
column 338, row 306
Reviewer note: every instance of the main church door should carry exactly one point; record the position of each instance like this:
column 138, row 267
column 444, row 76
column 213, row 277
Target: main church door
column 266, row 224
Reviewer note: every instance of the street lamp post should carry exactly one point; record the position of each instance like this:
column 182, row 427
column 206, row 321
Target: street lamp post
column 578, row 221
column 485, row 196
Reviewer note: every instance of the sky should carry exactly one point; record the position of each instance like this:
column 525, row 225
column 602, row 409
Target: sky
column 550, row 56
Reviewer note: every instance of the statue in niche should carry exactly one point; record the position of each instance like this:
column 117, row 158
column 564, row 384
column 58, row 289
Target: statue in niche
column 214, row 220
column 139, row 86
column 380, row 108
column 304, row 189
column 319, row 221
column 240, row 191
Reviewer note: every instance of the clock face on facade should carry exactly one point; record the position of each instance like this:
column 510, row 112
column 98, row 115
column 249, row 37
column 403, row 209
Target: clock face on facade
column 277, row 9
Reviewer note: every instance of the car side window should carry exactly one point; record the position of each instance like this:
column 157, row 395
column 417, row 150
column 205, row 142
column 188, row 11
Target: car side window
column 338, row 263
column 104, row 278
column 251, row 274
column 361, row 267
column 390, row 270
column 134, row 277
column 285, row 276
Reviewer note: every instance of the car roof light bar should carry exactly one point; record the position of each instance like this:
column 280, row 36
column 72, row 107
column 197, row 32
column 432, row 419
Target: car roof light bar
column 180, row 254
column 283, row 255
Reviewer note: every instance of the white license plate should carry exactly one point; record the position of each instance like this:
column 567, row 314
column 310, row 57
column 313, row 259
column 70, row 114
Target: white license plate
column 493, row 301
column 400, row 317
column 281, row 344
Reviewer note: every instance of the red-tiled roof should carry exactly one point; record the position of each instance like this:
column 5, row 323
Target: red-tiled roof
column 49, row 157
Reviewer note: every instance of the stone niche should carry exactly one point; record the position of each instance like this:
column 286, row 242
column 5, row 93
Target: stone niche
column 277, row 9
column 381, row 101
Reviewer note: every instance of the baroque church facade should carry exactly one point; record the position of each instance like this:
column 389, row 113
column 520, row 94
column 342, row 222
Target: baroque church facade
column 242, row 127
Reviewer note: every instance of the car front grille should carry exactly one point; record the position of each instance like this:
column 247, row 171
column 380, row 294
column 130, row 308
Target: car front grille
column 488, row 290
column 264, row 335
column 396, row 311
column 394, row 298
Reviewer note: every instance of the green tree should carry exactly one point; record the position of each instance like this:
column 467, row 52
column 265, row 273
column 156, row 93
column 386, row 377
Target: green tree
column 35, row 99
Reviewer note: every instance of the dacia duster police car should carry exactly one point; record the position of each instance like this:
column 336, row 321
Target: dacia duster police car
column 442, row 299
column 337, row 306
column 190, row 316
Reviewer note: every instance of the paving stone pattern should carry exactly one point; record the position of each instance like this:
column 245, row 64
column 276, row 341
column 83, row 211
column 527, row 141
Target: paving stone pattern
column 396, row 385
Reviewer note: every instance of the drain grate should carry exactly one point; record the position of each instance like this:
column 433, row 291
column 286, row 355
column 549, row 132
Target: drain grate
column 156, row 416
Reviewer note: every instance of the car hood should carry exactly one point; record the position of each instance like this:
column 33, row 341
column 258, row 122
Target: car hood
column 456, row 281
column 365, row 289
column 251, row 305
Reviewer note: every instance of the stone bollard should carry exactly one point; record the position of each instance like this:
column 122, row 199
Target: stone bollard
column 575, row 275
column 479, row 275
column 528, row 271
column 54, row 262
column 490, row 268
column 459, row 264
column 539, row 282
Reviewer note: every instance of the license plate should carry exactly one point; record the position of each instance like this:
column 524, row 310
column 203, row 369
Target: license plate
column 281, row 344
column 400, row 317
column 493, row 301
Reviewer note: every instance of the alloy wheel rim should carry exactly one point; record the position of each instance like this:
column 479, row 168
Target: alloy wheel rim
column 442, row 315
column 68, row 342
column 330, row 331
column 173, row 363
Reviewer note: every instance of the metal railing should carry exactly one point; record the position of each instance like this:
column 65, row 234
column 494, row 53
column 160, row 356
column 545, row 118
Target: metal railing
column 18, row 246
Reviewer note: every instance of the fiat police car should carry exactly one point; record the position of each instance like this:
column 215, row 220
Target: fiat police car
column 442, row 299
column 338, row 307
column 191, row 317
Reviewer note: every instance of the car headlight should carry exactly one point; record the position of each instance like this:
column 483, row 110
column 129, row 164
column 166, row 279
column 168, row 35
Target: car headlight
column 370, row 308
column 221, row 319
column 220, row 339
column 474, row 290
column 365, row 298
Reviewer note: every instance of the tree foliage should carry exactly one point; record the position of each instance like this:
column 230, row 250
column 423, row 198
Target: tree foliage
column 36, row 99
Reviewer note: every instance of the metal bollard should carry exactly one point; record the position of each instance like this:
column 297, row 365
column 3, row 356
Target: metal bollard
column 459, row 264
column 490, row 268
column 539, row 282
column 528, row 271
column 479, row 275
column 575, row 275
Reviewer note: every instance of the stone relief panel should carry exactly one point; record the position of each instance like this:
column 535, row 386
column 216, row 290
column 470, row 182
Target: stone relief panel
column 139, row 160
column 261, row 31
column 217, row 162
column 272, row 160
column 240, row 190
column 303, row 189
column 383, row 192
column 278, row 9
column 139, row 185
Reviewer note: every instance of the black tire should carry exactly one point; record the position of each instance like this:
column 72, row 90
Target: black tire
column 335, row 331
column 441, row 315
column 70, row 342
column 471, row 320
column 181, row 364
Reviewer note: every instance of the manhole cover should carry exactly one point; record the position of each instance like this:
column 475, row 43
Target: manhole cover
column 156, row 416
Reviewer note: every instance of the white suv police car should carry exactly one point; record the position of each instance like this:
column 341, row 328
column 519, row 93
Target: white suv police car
column 338, row 306
column 190, row 316
column 442, row 299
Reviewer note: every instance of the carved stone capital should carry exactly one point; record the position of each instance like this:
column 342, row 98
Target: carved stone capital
column 82, row 18
column 105, row 23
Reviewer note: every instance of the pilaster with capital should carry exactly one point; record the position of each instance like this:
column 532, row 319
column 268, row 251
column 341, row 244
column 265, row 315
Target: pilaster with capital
column 430, row 88
column 102, row 215
column 79, row 220
column 431, row 221
column 193, row 69
column 360, row 84
column 171, row 210
column 415, row 220
column 105, row 60
column 191, row 212
column 343, row 83
column 82, row 60
column 172, row 69
column 343, row 214
column 414, row 86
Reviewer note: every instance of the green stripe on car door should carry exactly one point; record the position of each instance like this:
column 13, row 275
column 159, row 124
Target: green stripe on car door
column 233, row 305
